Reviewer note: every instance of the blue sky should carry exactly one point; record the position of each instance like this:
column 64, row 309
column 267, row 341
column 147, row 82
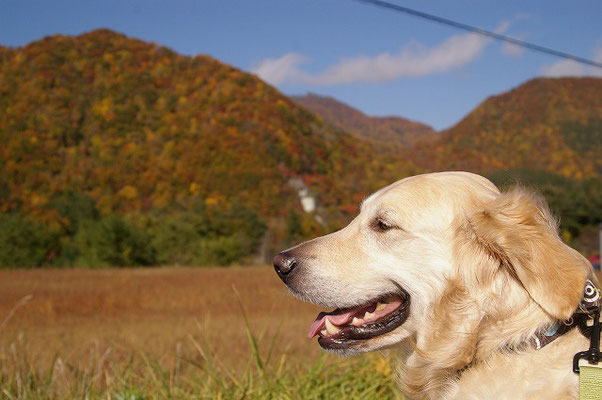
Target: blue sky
column 378, row 61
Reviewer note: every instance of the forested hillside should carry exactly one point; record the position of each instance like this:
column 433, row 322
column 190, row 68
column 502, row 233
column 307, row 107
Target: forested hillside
column 554, row 125
column 121, row 152
column 385, row 131
column 104, row 132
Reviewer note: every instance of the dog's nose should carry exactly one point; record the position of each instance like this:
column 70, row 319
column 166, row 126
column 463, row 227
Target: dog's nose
column 284, row 263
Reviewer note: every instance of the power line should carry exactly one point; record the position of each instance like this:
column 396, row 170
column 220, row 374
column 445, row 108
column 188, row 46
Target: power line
column 459, row 25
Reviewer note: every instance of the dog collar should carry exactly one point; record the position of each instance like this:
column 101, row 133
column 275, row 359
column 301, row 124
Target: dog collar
column 588, row 309
column 589, row 304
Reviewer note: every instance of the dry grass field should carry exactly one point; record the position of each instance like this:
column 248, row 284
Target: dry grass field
column 151, row 310
column 182, row 333
column 69, row 332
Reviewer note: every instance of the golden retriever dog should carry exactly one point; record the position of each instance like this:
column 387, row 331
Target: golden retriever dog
column 465, row 280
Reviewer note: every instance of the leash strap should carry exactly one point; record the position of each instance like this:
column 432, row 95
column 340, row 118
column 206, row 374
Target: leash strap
column 589, row 363
column 590, row 382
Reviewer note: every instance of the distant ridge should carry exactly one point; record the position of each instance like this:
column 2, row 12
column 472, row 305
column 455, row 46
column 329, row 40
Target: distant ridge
column 549, row 124
column 391, row 129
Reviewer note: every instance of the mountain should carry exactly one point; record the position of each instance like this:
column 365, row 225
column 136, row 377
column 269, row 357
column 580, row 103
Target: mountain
column 386, row 130
column 141, row 131
column 548, row 124
column 137, row 126
column 117, row 151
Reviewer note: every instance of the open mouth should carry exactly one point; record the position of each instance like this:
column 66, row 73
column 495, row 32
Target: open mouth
column 344, row 328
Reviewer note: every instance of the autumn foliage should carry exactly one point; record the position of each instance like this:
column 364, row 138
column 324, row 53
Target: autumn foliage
column 553, row 125
column 149, row 139
column 384, row 132
column 117, row 151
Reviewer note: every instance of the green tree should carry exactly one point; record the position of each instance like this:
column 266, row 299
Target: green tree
column 112, row 241
column 24, row 243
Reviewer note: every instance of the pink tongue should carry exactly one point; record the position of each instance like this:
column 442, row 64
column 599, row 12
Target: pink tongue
column 337, row 317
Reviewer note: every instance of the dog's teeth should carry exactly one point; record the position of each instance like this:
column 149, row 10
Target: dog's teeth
column 356, row 321
column 331, row 328
column 380, row 306
column 324, row 332
column 368, row 316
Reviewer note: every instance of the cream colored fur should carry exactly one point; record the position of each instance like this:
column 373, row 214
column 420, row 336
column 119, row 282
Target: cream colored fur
column 484, row 269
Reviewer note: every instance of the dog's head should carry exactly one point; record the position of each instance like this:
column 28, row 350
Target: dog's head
column 389, row 269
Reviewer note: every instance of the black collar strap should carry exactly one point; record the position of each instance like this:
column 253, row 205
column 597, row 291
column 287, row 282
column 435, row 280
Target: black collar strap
column 588, row 309
column 591, row 301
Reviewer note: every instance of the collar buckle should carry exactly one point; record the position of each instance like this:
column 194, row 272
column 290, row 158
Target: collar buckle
column 593, row 354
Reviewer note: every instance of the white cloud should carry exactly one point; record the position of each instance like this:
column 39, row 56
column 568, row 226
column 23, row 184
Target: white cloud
column 412, row 61
column 503, row 26
column 573, row 68
column 564, row 68
column 280, row 70
column 508, row 48
column 512, row 50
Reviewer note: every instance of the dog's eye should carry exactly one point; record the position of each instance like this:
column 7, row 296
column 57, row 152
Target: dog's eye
column 381, row 225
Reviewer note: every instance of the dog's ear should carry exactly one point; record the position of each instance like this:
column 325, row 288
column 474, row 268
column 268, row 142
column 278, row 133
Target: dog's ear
column 517, row 229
